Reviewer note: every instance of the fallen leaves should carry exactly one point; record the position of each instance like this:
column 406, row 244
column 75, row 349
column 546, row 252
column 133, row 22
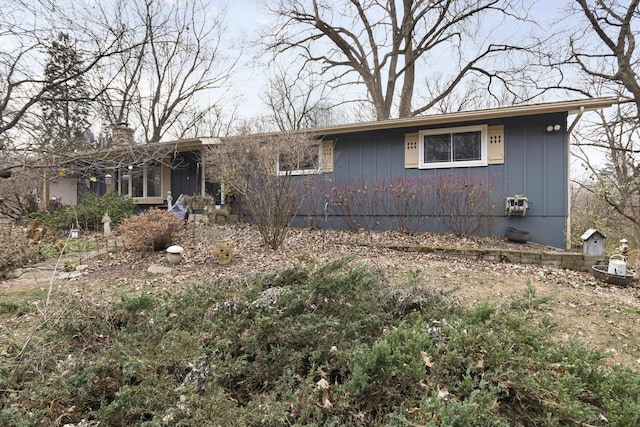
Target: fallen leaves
column 578, row 298
column 426, row 359
column 325, row 402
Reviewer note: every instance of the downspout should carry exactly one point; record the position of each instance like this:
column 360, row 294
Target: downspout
column 567, row 240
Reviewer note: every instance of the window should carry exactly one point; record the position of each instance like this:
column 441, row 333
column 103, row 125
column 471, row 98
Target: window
column 141, row 181
column 300, row 163
column 453, row 147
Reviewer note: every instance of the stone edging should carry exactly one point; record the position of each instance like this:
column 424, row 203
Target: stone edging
column 569, row 260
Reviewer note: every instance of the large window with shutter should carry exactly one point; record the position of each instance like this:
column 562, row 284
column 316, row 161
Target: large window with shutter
column 453, row 147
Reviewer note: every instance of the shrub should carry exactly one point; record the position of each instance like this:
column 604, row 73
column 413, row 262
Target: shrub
column 92, row 208
column 463, row 203
column 406, row 201
column 355, row 201
column 151, row 230
column 247, row 167
column 18, row 197
column 15, row 250
column 88, row 213
column 310, row 345
column 56, row 217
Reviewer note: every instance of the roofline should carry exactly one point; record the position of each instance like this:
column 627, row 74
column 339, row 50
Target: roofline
column 571, row 107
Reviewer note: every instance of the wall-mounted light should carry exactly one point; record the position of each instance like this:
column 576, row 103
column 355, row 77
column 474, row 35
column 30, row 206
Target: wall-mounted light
column 552, row 128
column 130, row 167
column 108, row 179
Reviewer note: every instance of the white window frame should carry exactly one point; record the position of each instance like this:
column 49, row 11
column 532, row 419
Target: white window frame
column 129, row 182
column 317, row 170
column 454, row 164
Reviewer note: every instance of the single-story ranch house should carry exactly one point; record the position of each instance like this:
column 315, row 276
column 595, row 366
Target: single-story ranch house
column 520, row 153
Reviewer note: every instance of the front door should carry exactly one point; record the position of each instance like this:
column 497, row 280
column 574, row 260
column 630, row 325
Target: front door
column 185, row 171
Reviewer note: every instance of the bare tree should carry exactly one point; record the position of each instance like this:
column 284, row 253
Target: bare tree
column 602, row 48
column 383, row 44
column 218, row 120
column 174, row 75
column 616, row 180
column 298, row 100
column 270, row 174
column 24, row 36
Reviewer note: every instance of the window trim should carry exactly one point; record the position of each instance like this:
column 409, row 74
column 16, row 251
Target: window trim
column 297, row 172
column 127, row 189
column 483, row 161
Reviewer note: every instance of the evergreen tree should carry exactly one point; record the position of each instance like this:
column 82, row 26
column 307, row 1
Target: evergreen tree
column 65, row 108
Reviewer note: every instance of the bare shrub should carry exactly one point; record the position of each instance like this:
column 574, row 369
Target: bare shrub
column 403, row 201
column 406, row 201
column 270, row 174
column 356, row 201
column 463, row 203
column 317, row 203
column 18, row 195
column 15, row 250
column 151, row 230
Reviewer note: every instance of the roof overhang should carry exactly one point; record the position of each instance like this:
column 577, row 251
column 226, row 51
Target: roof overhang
column 570, row 107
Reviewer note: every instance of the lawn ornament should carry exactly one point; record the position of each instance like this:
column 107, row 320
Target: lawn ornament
column 222, row 250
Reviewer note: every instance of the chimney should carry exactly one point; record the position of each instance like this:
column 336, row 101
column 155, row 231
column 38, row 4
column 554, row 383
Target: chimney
column 122, row 135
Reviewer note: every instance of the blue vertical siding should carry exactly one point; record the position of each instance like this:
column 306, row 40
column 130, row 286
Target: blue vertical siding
column 535, row 165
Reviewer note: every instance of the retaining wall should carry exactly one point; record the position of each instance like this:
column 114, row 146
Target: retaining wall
column 569, row 260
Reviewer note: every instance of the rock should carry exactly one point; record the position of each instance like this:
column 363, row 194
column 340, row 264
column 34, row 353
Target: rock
column 82, row 267
column 71, row 275
column 14, row 274
column 159, row 269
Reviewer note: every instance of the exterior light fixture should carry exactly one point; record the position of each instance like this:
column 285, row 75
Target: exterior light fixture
column 556, row 127
column 108, row 179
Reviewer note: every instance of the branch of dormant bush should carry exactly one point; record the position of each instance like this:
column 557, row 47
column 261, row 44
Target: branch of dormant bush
column 46, row 311
column 261, row 169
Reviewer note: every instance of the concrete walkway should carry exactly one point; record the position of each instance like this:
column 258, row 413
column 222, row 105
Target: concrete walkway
column 58, row 268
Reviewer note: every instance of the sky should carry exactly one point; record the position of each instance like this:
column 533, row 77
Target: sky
column 245, row 17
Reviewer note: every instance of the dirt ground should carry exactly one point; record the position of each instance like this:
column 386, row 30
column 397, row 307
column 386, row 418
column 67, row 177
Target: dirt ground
column 603, row 316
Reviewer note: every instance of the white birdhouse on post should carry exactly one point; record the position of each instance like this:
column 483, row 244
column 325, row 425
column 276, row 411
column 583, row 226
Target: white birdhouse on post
column 593, row 242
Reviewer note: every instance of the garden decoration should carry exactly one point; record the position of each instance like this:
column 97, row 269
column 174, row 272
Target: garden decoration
column 222, row 250
column 174, row 254
column 616, row 272
column 106, row 222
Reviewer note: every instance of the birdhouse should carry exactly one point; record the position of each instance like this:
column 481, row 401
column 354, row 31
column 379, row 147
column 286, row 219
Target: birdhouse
column 593, row 242
column 516, row 205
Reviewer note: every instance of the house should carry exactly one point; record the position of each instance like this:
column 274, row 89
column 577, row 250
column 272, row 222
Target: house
column 519, row 153
column 147, row 173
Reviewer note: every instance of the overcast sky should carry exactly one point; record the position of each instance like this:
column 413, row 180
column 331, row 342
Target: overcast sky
column 245, row 17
